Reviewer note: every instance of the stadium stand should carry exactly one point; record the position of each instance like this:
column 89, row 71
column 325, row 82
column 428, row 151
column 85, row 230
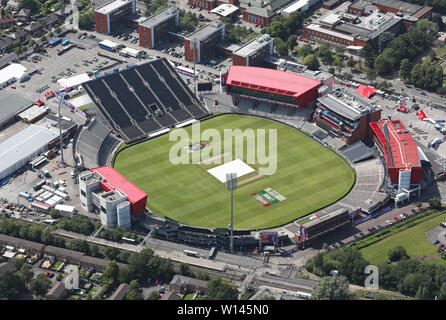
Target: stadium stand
column 357, row 152
column 95, row 143
column 147, row 98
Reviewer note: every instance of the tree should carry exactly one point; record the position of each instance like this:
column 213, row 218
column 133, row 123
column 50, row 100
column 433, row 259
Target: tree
column 185, row 270
column 331, row 70
column 86, row 20
column 280, row 47
column 221, row 290
column 311, row 62
column 111, row 274
column 26, row 273
column 32, row 5
column 305, row 50
column 368, row 55
column 79, row 245
column 94, row 250
column 371, row 75
column 291, row 42
column 397, row 253
column 40, row 285
column 267, row 297
column 351, row 63
column 325, row 54
column 340, row 50
column 405, row 69
column 339, row 64
column 11, row 285
column 412, row 282
column 111, row 253
column 138, row 264
column 124, row 275
column 135, row 291
column 331, row 288
column 383, row 64
column 442, row 292
column 384, row 39
column 435, row 203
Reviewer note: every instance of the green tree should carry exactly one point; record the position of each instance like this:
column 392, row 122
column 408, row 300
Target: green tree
column 339, row 64
column 111, row 274
column 332, row 70
column 86, row 20
column 124, row 275
column 135, row 291
column 412, row 282
column 221, row 290
column 138, row 265
column 397, row 253
column 384, row 39
column 331, row 288
column 405, row 69
column 371, row 75
column 340, row 50
column 325, row 54
column 112, row 253
column 267, row 297
column 154, row 296
column 94, row 250
column 442, row 292
column 32, row 5
column 40, row 285
column 280, row 47
column 368, row 55
column 26, row 273
column 291, row 42
column 185, row 270
column 311, row 62
column 305, row 50
column 351, row 63
column 435, row 203
column 11, row 285
column 79, row 245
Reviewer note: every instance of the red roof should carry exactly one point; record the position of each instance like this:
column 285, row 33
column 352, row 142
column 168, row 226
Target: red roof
column 270, row 80
column 114, row 180
column 403, row 147
column 366, row 91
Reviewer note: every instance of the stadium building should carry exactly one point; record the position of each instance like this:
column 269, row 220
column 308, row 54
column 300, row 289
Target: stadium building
column 107, row 192
column 140, row 101
column 254, row 52
column 156, row 28
column 346, row 114
column 206, row 41
column 111, row 16
column 402, row 8
column 273, row 86
column 399, row 150
column 320, row 225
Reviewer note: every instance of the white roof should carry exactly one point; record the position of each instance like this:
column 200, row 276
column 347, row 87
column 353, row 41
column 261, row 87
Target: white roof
column 295, row 6
column 24, row 144
column 130, row 50
column 66, row 208
column 109, row 43
column 111, row 6
column 73, row 81
column 225, row 9
column 13, row 71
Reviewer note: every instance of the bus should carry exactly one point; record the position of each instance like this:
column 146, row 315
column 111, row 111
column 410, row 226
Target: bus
column 212, row 252
column 185, row 71
column 191, row 253
column 303, row 295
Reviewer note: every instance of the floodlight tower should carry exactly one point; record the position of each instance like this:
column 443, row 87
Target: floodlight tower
column 62, row 96
column 231, row 184
column 195, row 73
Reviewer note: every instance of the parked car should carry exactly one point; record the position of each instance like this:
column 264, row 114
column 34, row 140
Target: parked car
column 379, row 226
column 388, row 222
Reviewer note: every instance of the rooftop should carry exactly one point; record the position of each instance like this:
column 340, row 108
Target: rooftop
column 12, row 104
column 270, row 80
column 224, row 9
column 159, row 17
column 206, row 31
column 254, row 45
column 348, row 104
column 322, row 217
column 112, row 6
column 117, row 181
column 400, row 5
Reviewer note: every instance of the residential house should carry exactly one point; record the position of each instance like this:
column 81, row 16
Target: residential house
column 50, row 20
column 33, row 28
column 183, row 285
column 57, row 292
column 6, row 21
column 18, row 35
column 6, row 45
column 120, row 292
column 24, row 15
column 13, row 4
column 171, row 296
column 32, row 248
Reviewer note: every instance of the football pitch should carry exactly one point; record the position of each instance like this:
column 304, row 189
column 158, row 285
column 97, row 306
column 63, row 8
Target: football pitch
column 308, row 177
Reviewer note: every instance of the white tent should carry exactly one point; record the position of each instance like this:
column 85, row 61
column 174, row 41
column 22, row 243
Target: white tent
column 13, row 72
column 73, row 81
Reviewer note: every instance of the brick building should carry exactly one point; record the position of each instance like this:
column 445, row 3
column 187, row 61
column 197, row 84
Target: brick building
column 112, row 15
column 206, row 38
column 254, row 52
column 156, row 28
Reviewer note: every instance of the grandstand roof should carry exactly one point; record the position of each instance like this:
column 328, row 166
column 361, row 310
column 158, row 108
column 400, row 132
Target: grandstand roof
column 403, row 147
column 117, row 181
column 270, row 80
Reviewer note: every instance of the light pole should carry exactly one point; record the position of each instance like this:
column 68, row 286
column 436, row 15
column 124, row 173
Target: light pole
column 195, row 73
column 231, row 184
column 60, row 127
